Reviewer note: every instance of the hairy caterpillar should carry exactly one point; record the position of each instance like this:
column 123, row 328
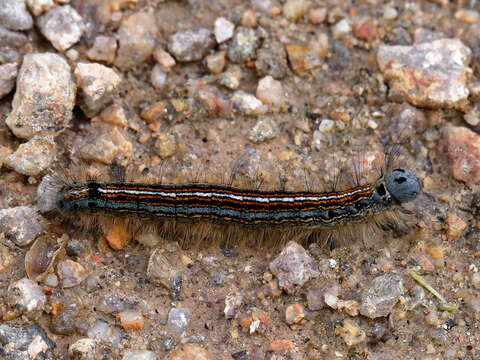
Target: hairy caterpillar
column 232, row 213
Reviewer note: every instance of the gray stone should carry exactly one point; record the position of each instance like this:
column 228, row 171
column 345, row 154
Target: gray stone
column 272, row 59
column 381, row 296
column 8, row 74
column 223, row 29
column 62, row 26
column 178, row 318
column 27, row 296
column 14, row 15
column 25, row 342
column 248, row 104
column 265, row 129
column 44, row 97
column 139, row 355
column 432, row 74
column 12, row 44
column 243, row 46
column 163, row 269
column 293, row 267
column 82, row 349
column 233, row 301
column 190, row 45
column 20, row 224
column 98, row 85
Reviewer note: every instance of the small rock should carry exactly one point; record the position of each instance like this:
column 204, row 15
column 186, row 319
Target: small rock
column 51, row 280
column 118, row 236
column 163, row 58
column 190, row 45
column 14, row 15
column 158, row 77
column 231, row 78
column 137, row 36
column 44, row 97
column 213, row 101
column 307, row 57
column 242, row 47
column 456, row 226
column 165, row 145
column 64, row 323
column 326, row 126
column 70, row 273
column 165, row 271
column 265, row 129
column 27, row 296
column 272, row 60
column 112, row 304
column 139, row 355
column 98, row 84
column 294, row 314
column 432, row 74
column 365, row 29
column 38, row 7
column 109, row 145
column 330, row 297
column 293, row 10
column 130, row 319
column 249, row 18
column 215, row 63
column 390, row 13
column 270, row 92
column 281, row 345
column 350, row 307
column 12, row 45
column 468, row 16
column 25, row 342
column 475, row 279
column 381, row 296
column 351, row 333
column 178, row 319
column 293, row 267
column 32, row 157
column 315, row 300
column 462, row 146
column 189, row 352
column 342, row 29
column 223, row 30
column 8, row 74
column 20, row 224
column 115, row 115
column 100, row 330
column 423, row 35
column 83, row 349
column 62, row 26
column 103, row 50
column 248, row 104
column 233, row 301
column 155, row 111
column 317, row 15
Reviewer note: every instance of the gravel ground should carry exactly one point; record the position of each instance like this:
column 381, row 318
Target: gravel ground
column 274, row 92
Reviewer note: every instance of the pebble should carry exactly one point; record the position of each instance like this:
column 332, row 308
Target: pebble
column 223, row 30
column 102, row 331
column 423, row 35
column 294, row 314
column 342, row 29
column 40, row 257
column 112, row 303
column 455, row 226
column 317, row 15
column 264, row 129
column 213, row 101
column 130, row 319
column 70, row 273
column 14, row 15
column 110, row 144
column 8, row 75
column 462, row 147
column 270, row 92
column 82, row 349
column 231, row 78
column 432, row 74
column 103, row 50
column 136, row 37
column 178, row 319
column 293, row 10
column 293, row 267
column 98, row 85
column 38, row 7
column 475, row 279
column 118, row 236
column 381, row 296
column 165, row 271
column 154, row 112
column 32, row 157
column 351, row 333
column 215, row 63
column 13, row 45
column 21, row 224
column 249, row 18
column 248, row 104
column 281, row 345
column 44, row 97
column 390, row 13
column 51, row 280
column 115, row 115
column 233, row 301
column 164, row 58
column 139, row 355
column 25, row 342
column 243, row 45
column 365, row 29
column 189, row 352
column 468, row 16
column 166, row 145
column 315, row 298
column 158, row 77
column 26, row 296
column 307, row 57
column 272, row 60
column 62, row 26
column 64, row 323
column 190, row 45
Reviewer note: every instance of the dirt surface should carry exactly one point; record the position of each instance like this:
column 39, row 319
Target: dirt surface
column 334, row 107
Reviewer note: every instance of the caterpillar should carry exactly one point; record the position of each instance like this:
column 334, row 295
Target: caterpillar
column 238, row 212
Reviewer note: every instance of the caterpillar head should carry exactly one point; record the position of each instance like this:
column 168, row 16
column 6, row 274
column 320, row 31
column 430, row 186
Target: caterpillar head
column 402, row 184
